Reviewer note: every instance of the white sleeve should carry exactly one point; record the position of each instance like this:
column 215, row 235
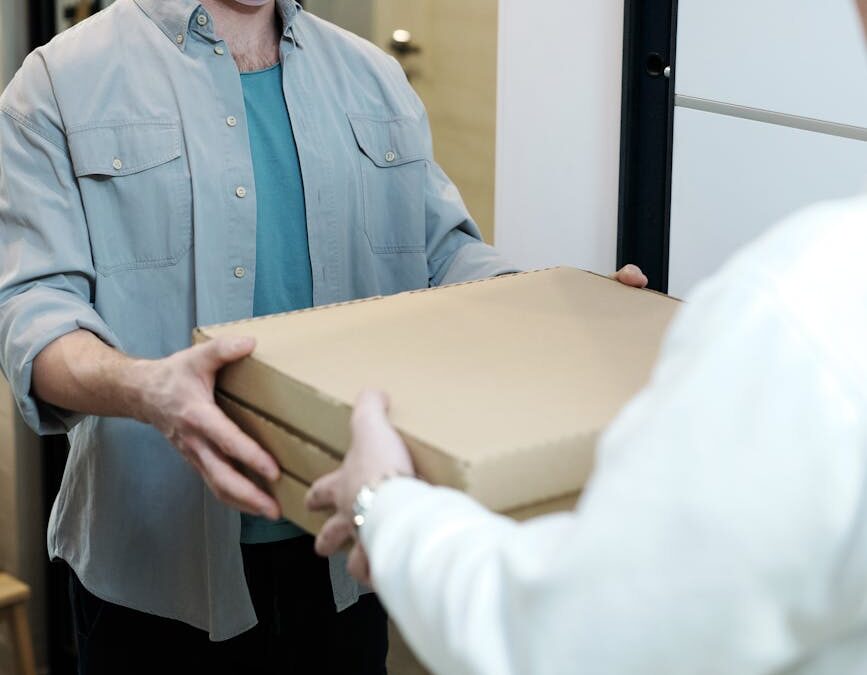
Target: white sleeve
column 715, row 537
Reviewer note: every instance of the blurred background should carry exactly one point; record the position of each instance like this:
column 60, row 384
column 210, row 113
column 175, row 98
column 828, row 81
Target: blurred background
column 666, row 133
column 449, row 51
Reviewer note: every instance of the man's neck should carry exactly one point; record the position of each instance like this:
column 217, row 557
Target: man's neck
column 252, row 33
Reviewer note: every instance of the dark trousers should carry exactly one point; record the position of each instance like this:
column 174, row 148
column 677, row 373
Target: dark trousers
column 299, row 629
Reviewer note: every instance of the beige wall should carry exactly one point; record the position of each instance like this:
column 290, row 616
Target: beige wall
column 8, row 529
column 353, row 15
column 22, row 549
column 22, row 544
column 455, row 74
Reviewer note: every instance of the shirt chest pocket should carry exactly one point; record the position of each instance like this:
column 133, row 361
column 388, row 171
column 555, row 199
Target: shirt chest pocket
column 136, row 190
column 393, row 181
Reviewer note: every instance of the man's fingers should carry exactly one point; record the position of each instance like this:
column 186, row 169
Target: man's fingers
column 234, row 443
column 337, row 531
column 321, row 496
column 222, row 351
column 358, row 564
column 233, row 488
column 194, row 458
column 192, row 455
column 631, row 275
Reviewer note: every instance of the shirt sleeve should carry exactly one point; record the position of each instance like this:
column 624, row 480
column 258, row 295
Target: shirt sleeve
column 720, row 532
column 46, row 270
column 456, row 252
column 454, row 246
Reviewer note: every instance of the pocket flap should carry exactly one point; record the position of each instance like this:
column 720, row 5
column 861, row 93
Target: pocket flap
column 123, row 148
column 389, row 142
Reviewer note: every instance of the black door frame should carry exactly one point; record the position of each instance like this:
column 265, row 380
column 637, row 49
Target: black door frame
column 42, row 21
column 646, row 136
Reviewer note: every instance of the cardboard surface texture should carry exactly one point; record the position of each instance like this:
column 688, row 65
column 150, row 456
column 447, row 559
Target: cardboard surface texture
column 499, row 387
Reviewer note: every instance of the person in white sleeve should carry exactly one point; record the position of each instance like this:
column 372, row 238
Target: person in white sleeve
column 724, row 529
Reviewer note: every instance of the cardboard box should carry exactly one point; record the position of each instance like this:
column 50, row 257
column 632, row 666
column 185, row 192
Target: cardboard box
column 290, row 494
column 310, row 462
column 499, row 387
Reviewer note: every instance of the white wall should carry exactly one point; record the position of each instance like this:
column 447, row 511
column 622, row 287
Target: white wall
column 558, row 137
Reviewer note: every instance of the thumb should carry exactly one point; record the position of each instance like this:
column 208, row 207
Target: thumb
column 321, row 495
column 224, row 350
column 370, row 407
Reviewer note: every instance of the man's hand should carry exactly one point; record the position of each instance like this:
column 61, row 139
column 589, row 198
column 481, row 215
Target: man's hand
column 79, row 372
column 631, row 275
column 377, row 452
column 177, row 397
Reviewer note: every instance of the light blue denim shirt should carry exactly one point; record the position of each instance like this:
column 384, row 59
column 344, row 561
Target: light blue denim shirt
column 128, row 208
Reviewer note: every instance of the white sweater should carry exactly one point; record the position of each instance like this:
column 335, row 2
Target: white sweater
column 725, row 527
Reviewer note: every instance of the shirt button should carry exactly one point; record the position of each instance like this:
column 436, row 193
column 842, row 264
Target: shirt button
column 240, row 192
column 232, row 121
column 201, row 19
column 240, row 272
column 219, row 51
column 117, row 164
column 390, row 156
column 179, row 39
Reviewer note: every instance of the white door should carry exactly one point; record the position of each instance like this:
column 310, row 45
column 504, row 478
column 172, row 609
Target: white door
column 771, row 116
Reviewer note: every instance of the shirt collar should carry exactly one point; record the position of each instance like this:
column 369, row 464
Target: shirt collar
column 173, row 17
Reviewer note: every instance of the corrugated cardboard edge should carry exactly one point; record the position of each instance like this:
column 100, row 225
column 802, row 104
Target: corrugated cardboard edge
column 307, row 461
column 505, row 481
column 431, row 461
column 299, row 456
column 202, row 331
column 373, row 298
column 290, row 493
column 563, row 504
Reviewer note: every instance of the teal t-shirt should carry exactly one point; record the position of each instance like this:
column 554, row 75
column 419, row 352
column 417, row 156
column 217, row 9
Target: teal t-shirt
column 284, row 281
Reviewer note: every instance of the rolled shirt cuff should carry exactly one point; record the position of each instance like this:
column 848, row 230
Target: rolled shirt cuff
column 34, row 320
column 474, row 261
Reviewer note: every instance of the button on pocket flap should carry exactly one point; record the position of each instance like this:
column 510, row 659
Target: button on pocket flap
column 123, row 148
column 389, row 142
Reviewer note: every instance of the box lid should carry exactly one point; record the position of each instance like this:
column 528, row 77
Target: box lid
column 491, row 382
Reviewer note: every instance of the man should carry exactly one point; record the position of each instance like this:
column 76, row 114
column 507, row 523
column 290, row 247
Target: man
column 724, row 530
column 166, row 164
